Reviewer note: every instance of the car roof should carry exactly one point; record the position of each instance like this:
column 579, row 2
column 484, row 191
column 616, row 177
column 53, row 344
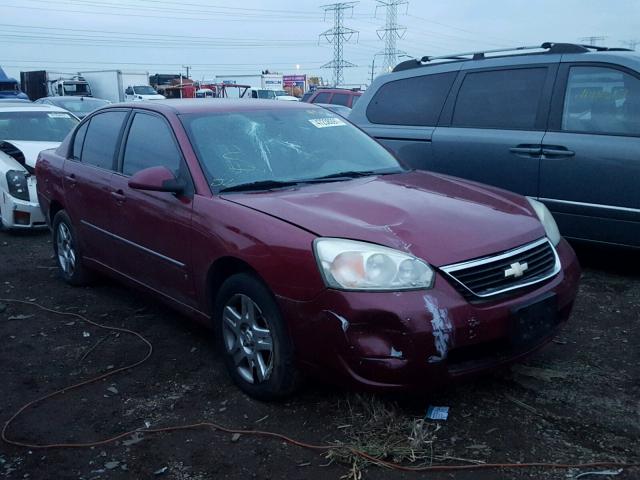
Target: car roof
column 72, row 98
column 339, row 90
column 29, row 107
column 206, row 105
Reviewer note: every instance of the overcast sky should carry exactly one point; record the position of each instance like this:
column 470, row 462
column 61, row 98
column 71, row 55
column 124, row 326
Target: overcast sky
column 159, row 36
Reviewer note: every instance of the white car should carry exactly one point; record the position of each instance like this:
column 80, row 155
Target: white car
column 25, row 130
column 282, row 95
column 141, row 92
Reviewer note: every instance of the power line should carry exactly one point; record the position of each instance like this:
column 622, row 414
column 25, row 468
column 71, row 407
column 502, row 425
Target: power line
column 631, row 44
column 391, row 32
column 592, row 40
column 338, row 35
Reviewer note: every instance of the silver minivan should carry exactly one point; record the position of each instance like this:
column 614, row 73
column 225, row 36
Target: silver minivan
column 559, row 123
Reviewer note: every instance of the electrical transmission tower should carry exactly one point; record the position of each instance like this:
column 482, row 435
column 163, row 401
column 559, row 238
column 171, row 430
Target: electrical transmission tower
column 592, row 40
column 631, row 44
column 391, row 31
column 338, row 36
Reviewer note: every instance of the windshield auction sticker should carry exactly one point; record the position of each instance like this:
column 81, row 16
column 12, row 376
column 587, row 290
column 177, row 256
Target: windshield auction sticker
column 58, row 115
column 327, row 122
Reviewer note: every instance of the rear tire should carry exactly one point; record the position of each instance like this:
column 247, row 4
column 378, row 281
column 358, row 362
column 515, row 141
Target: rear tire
column 253, row 339
column 67, row 252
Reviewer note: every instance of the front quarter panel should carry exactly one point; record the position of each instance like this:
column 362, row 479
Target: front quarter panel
column 280, row 253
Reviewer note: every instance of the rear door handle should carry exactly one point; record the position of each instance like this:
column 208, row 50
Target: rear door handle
column 557, row 152
column 71, row 178
column 527, row 150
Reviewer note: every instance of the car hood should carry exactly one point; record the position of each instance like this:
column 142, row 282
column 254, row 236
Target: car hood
column 152, row 97
column 437, row 218
column 24, row 153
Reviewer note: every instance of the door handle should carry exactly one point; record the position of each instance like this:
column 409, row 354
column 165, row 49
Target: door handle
column 557, row 152
column 119, row 196
column 527, row 150
column 71, row 178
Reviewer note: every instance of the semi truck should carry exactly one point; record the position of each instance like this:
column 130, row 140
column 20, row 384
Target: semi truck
column 120, row 86
column 9, row 87
column 44, row 83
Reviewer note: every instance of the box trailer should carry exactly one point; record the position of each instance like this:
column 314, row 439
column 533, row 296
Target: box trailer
column 45, row 83
column 120, row 86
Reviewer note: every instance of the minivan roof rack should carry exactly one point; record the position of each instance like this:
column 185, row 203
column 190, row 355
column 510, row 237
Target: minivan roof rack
column 549, row 47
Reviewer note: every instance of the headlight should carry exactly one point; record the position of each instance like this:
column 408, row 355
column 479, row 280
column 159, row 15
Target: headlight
column 352, row 265
column 17, row 183
column 549, row 224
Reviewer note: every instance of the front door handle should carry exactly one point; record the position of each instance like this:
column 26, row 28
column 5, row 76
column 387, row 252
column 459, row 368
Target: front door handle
column 527, row 150
column 553, row 151
column 71, row 178
column 119, row 196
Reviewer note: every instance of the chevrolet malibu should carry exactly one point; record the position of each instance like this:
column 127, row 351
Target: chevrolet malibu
column 305, row 245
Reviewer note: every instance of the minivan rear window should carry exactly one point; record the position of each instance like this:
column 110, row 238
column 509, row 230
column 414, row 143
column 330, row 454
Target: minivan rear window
column 507, row 99
column 411, row 101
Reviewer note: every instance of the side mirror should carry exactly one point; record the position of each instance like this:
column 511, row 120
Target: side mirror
column 157, row 179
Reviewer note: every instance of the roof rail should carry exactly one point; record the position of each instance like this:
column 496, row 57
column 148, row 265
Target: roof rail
column 550, row 47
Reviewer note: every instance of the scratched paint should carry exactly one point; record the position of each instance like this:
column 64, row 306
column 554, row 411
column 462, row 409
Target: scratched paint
column 395, row 353
column 344, row 323
column 473, row 322
column 442, row 329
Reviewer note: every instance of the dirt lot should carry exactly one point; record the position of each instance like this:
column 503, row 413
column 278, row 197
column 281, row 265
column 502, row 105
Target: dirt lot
column 575, row 401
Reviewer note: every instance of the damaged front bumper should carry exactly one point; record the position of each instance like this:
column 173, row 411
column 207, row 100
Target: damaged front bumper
column 427, row 338
column 22, row 214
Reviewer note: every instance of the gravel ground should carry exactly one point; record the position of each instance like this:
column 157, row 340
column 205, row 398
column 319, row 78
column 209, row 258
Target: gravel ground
column 574, row 401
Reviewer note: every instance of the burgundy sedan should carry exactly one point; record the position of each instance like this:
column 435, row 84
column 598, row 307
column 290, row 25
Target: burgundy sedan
column 305, row 245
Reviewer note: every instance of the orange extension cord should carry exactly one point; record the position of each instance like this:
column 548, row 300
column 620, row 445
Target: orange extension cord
column 261, row 433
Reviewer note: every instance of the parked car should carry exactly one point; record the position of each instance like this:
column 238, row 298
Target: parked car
column 305, row 244
column 282, row 95
column 560, row 124
column 338, row 96
column 263, row 93
column 79, row 106
column 25, row 130
column 339, row 109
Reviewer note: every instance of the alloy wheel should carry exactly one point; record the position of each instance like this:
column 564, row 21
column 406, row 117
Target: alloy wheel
column 247, row 339
column 66, row 251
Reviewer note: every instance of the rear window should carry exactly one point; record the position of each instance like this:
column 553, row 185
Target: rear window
column 36, row 126
column 341, row 99
column 506, row 99
column 411, row 101
column 322, row 98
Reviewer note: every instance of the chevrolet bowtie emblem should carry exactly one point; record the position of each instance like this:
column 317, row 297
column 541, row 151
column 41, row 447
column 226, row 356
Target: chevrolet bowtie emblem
column 516, row 270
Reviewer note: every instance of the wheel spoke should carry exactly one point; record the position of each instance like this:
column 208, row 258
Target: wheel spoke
column 231, row 319
column 263, row 339
column 260, row 368
column 248, row 309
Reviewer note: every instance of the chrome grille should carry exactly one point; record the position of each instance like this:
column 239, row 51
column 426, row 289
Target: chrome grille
column 496, row 274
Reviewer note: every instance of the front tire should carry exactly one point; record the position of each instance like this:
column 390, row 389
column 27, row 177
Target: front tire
column 65, row 247
column 253, row 339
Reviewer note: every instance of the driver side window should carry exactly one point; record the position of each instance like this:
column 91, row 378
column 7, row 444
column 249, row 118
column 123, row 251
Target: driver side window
column 129, row 91
column 150, row 143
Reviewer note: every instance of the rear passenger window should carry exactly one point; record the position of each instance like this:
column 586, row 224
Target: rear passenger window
column 601, row 100
column 506, row 99
column 101, row 140
column 411, row 101
column 321, row 98
column 340, row 99
column 78, row 140
column 150, row 144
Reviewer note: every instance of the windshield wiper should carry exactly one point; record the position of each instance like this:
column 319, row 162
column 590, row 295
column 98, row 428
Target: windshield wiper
column 258, row 185
column 353, row 174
